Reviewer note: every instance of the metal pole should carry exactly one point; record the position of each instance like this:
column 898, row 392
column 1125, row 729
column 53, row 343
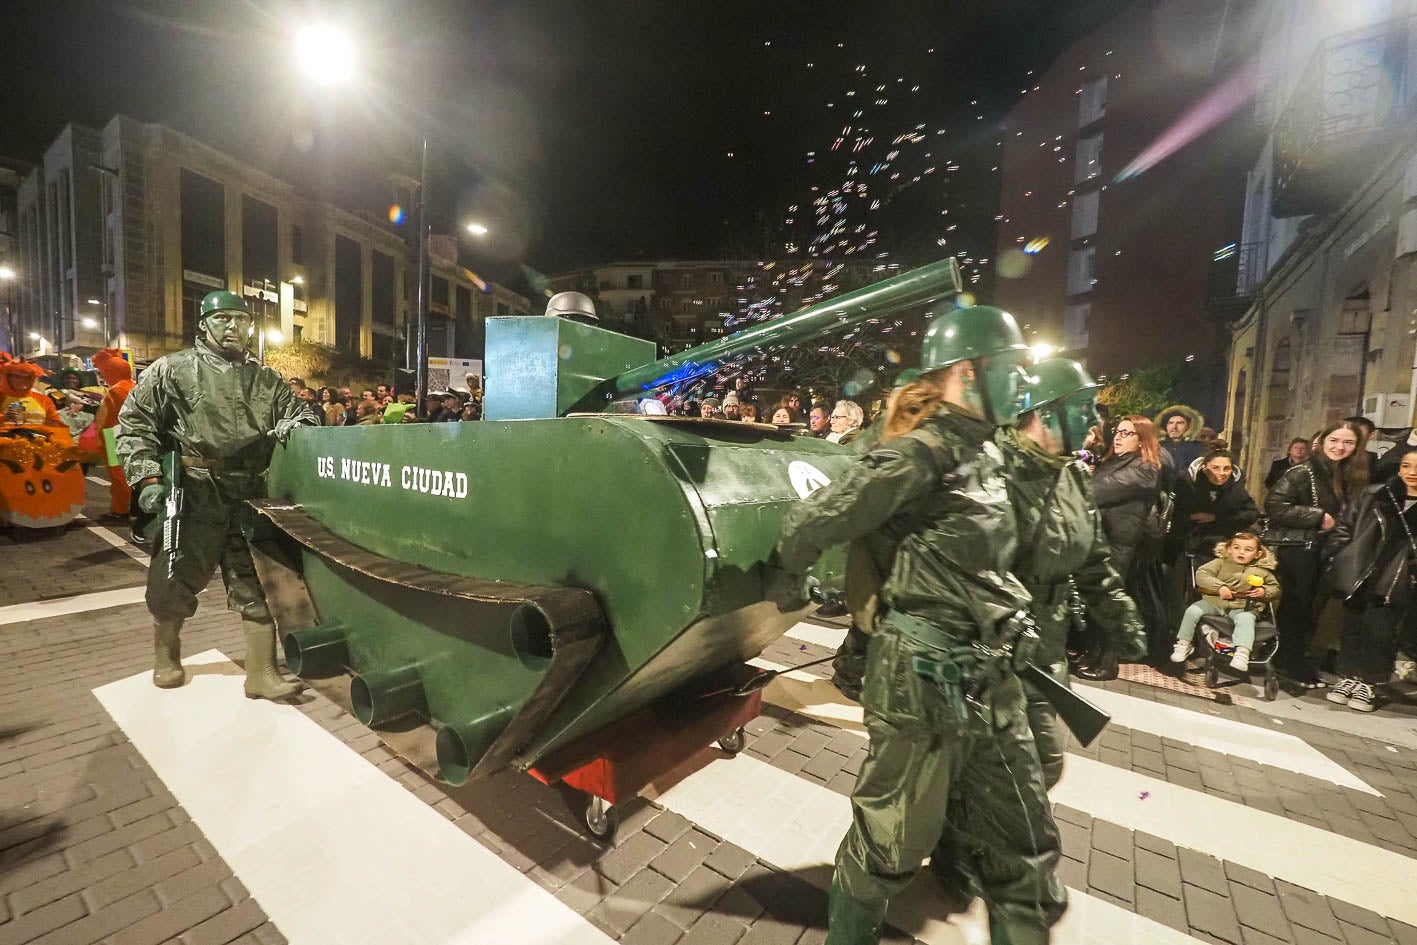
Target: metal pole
column 421, row 365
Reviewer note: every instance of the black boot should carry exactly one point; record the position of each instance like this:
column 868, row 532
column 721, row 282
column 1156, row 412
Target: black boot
column 1102, row 669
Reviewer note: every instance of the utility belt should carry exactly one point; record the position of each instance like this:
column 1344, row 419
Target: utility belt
column 963, row 670
column 240, row 466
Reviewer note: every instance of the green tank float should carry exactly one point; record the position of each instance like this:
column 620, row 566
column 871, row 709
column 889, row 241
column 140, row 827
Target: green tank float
column 516, row 591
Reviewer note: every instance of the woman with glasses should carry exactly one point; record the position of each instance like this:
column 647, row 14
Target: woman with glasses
column 1127, row 485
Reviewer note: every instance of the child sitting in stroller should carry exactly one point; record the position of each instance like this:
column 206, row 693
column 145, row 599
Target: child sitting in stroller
column 1240, row 584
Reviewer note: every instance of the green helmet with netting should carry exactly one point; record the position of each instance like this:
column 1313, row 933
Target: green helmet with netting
column 225, row 323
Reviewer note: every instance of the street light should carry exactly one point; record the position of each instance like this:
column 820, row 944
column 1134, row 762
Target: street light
column 8, row 274
column 326, row 54
column 477, row 229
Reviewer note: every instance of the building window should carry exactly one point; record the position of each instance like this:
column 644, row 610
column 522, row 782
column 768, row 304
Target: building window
column 1075, row 327
column 665, row 304
column 381, row 288
column 636, row 281
column 686, row 280
column 66, row 223
column 203, row 220
column 1081, row 277
column 1085, row 214
column 1092, row 101
column 1089, row 163
column 349, row 294
column 716, row 278
column 297, row 245
column 438, row 295
column 258, row 241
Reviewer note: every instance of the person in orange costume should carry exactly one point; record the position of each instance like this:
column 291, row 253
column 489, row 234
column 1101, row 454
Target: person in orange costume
column 118, row 375
column 19, row 402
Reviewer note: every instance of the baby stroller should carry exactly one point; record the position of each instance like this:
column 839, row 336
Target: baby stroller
column 1217, row 647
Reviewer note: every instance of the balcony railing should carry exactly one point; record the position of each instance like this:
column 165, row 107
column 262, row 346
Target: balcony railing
column 1345, row 105
column 1235, row 277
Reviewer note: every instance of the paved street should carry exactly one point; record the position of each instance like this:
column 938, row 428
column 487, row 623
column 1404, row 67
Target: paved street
column 133, row 815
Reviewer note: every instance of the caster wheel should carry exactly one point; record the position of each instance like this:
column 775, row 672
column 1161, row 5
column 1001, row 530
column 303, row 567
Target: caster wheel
column 1212, row 673
column 600, row 819
column 733, row 742
column 1271, row 687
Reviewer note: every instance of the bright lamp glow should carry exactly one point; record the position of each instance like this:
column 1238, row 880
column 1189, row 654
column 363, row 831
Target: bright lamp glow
column 95, row 302
column 35, row 336
column 274, row 336
column 297, row 280
column 1043, row 352
column 477, row 229
column 325, row 53
column 89, row 322
column 7, row 273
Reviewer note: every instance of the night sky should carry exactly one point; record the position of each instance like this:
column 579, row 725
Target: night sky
column 580, row 131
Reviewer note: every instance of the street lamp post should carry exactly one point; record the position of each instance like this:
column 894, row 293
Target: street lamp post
column 420, row 367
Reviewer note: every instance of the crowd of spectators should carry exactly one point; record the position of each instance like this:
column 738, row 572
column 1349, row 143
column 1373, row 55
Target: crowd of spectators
column 1338, row 523
column 339, row 406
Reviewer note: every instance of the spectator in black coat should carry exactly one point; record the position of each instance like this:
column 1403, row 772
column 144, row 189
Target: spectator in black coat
column 1211, row 505
column 1303, row 508
column 1298, row 452
column 1127, row 485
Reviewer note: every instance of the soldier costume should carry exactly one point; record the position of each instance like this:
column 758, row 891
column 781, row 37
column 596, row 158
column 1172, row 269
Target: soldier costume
column 222, row 412
column 943, row 704
column 1062, row 549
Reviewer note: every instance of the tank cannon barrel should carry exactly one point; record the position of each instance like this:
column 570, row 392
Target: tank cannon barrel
column 917, row 287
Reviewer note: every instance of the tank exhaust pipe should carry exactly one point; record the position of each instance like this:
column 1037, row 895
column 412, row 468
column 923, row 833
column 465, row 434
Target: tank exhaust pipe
column 316, row 651
column 380, row 697
column 461, row 747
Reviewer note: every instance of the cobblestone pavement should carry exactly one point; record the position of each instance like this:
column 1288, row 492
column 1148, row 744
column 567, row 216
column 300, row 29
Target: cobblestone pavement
column 1187, row 821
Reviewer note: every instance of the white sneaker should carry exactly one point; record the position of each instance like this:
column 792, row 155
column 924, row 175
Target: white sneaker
column 1340, row 694
column 1182, row 652
column 1364, row 697
column 1241, row 660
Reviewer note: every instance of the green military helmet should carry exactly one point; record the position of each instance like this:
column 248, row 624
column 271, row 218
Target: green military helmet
column 964, row 334
column 223, row 301
column 1053, row 380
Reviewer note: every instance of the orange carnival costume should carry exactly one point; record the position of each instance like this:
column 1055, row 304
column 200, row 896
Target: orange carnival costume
column 41, row 482
column 118, row 375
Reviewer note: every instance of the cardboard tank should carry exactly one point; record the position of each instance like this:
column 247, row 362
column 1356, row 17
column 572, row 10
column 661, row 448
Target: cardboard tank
column 500, row 591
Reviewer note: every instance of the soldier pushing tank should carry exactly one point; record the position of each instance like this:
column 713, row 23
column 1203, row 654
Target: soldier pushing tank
column 943, row 702
column 195, row 438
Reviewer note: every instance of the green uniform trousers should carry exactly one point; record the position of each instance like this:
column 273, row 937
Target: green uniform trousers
column 215, row 524
column 926, row 763
column 1048, row 735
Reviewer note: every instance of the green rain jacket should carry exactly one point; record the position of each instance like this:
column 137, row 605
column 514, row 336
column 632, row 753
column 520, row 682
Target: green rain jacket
column 1061, row 545
column 940, row 489
column 201, row 404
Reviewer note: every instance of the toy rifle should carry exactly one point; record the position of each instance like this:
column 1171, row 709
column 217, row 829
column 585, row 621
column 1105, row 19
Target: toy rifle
column 172, row 519
column 1085, row 720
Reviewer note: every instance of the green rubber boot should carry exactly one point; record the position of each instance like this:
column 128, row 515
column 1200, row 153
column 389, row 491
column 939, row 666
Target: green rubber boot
column 851, row 922
column 167, row 654
column 263, row 680
column 849, row 667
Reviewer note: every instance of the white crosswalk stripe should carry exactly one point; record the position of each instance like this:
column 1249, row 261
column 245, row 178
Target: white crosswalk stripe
column 1198, row 728
column 796, row 825
column 78, row 604
column 1332, row 865
column 332, row 848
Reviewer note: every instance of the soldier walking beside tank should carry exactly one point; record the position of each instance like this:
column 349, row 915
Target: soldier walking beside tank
column 943, row 702
column 209, row 418
column 1062, row 553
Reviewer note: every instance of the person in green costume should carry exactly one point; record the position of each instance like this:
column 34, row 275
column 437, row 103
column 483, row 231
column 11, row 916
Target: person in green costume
column 943, row 704
column 1062, row 553
column 222, row 412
